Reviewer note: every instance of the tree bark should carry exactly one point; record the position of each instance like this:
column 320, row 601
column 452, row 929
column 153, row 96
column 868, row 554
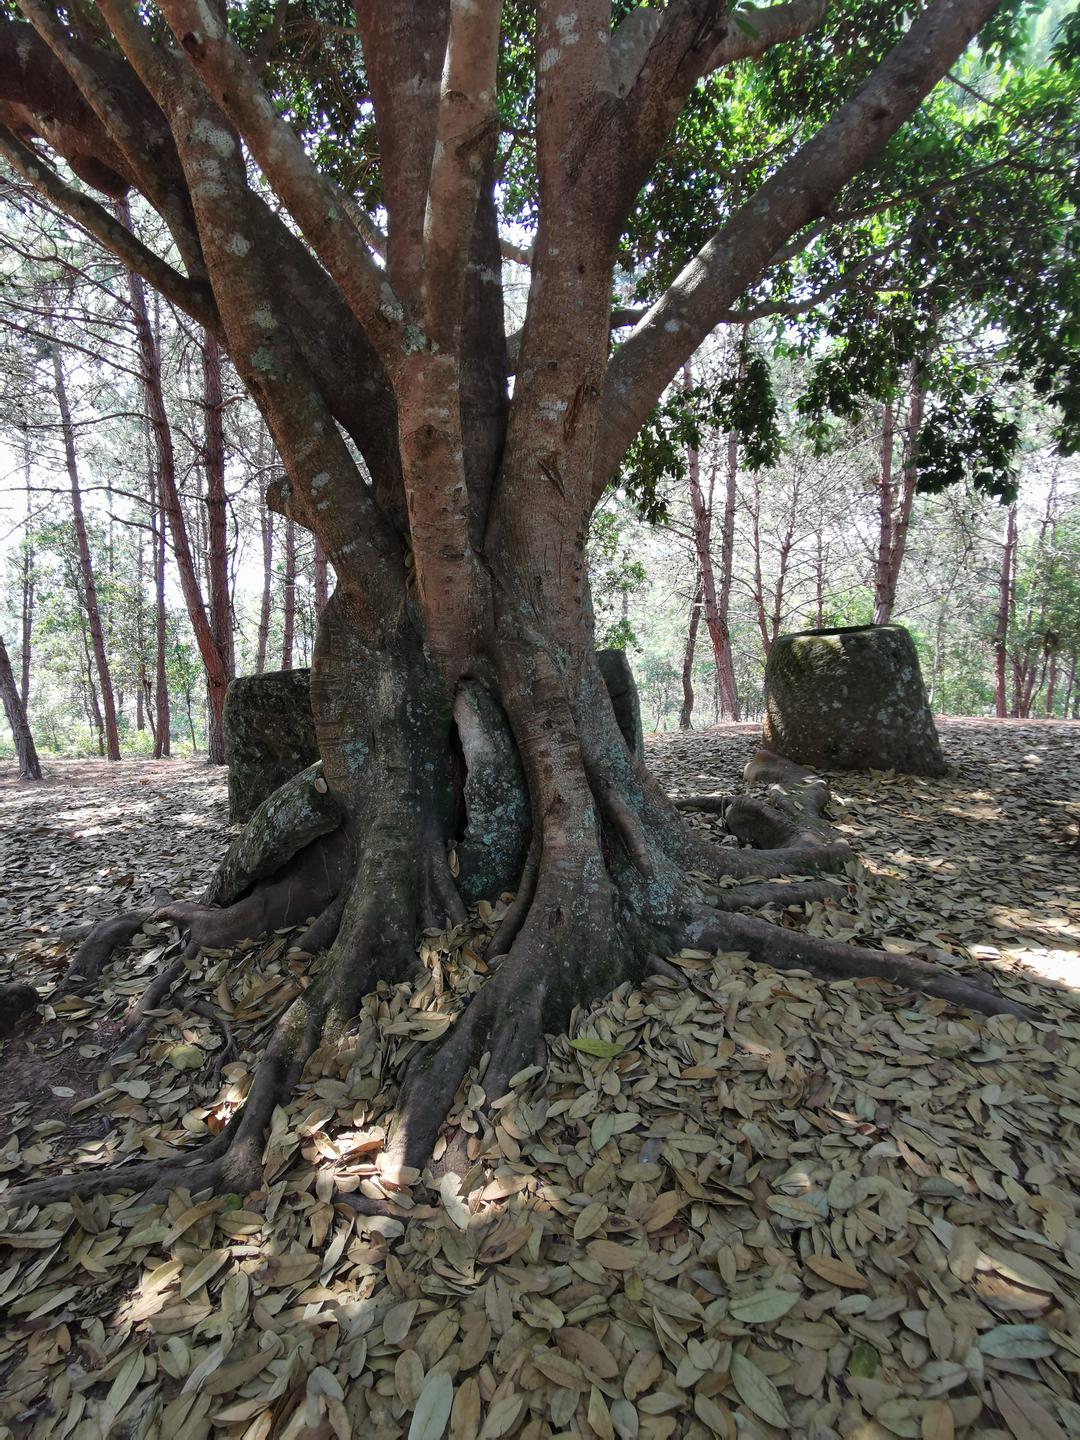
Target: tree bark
column 28, row 581
column 1004, row 611
column 715, row 617
column 221, row 621
column 322, row 585
column 215, row 652
column 688, row 661
column 289, row 597
column 163, row 720
column 86, row 565
column 25, row 753
column 895, row 501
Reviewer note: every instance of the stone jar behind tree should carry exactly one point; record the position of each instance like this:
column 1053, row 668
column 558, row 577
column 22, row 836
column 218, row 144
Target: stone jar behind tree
column 850, row 699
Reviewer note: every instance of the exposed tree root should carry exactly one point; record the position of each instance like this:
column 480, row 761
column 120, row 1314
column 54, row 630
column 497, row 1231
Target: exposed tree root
column 829, row 959
column 779, row 895
column 599, row 902
column 227, row 1051
column 298, row 813
column 17, row 1001
column 715, row 803
column 97, row 949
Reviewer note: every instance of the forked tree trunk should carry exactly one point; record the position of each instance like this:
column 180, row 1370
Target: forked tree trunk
column 460, row 553
column 25, row 753
column 107, row 729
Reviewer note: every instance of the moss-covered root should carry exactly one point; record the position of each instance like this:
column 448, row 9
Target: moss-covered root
column 300, row 811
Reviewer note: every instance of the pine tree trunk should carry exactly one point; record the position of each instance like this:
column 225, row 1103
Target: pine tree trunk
column 1051, row 684
column 322, row 585
column 819, row 581
column 26, row 754
column 216, row 661
column 1004, row 611
column 688, row 661
column 266, row 532
column 86, row 566
column 715, row 617
column 28, row 581
column 221, row 620
column 140, row 638
column 163, row 721
column 289, row 598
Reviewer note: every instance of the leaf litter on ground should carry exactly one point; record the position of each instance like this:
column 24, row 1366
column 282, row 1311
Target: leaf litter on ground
column 743, row 1203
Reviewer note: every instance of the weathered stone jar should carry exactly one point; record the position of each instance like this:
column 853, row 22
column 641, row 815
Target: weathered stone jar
column 850, row 699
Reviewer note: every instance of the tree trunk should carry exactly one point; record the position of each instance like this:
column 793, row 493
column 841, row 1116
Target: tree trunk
column 754, row 508
column 289, row 597
column 1067, row 697
column 1004, row 611
column 25, row 753
column 895, row 503
column 86, row 566
column 28, row 580
column 163, row 720
column 819, row 580
column 688, row 661
column 882, row 597
column 322, row 586
column 221, row 620
column 215, row 652
column 715, row 617
column 458, row 547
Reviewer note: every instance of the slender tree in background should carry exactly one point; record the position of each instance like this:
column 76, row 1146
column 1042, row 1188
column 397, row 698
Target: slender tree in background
column 715, row 606
column 896, row 495
column 1005, row 603
column 29, row 765
column 322, row 582
column 460, row 553
column 26, row 618
column 223, row 665
column 288, row 596
column 106, row 724
column 162, row 718
column 266, row 534
column 688, row 660
column 212, row 635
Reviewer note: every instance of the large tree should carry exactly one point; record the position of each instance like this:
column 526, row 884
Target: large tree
column 455, row 507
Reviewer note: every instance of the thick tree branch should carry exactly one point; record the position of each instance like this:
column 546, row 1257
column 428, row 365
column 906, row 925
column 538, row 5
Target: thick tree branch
column 326, row 493
column 765, row 28
column 798, row 193
column 136, row 129
column 464, row 136
column 404, row 49
column 193, row 298
column 313, row 200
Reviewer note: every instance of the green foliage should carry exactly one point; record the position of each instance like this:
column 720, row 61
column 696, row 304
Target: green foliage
column 742, row 402
column 968, row 439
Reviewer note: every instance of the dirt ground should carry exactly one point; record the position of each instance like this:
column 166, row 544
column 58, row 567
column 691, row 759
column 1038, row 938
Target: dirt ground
column 741, row 1204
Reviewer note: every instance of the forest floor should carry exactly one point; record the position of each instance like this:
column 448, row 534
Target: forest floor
column 749, row 1203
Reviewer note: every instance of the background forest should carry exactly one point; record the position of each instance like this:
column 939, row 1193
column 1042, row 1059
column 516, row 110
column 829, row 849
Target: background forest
column 886, row 438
